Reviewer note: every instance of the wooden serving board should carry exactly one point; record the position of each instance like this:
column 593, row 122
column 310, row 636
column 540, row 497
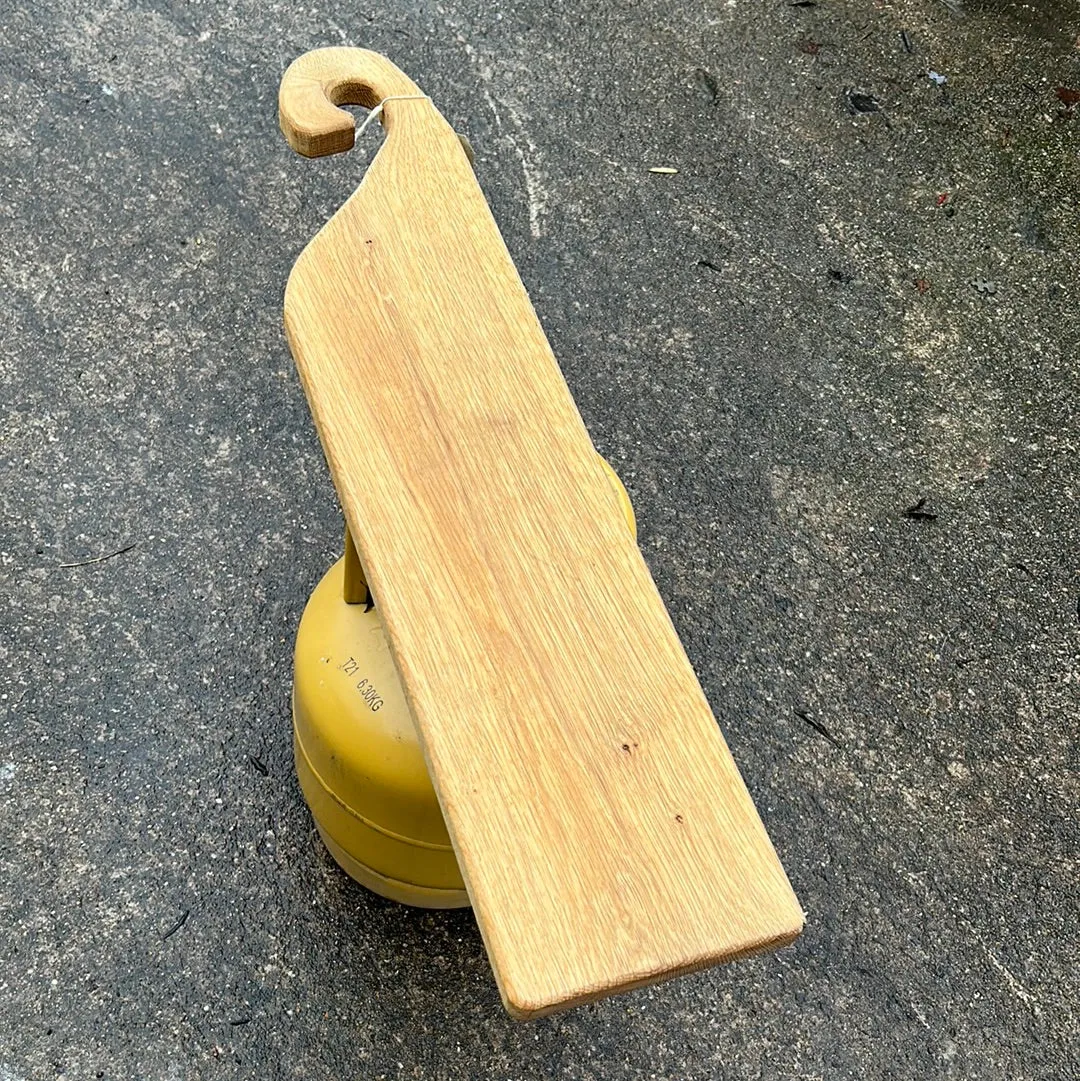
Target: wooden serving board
column 603, row 830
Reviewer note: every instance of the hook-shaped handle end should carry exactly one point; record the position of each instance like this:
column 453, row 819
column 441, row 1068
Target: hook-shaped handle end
column 315, row 84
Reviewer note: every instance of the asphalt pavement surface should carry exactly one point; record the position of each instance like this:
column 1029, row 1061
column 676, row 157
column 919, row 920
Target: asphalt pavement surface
column 832, row 357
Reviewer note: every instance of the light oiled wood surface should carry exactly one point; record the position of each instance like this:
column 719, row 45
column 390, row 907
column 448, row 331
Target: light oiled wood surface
column 603, row 830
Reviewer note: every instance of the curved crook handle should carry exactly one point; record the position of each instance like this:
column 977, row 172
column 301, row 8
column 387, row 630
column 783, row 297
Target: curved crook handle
column 315, row 84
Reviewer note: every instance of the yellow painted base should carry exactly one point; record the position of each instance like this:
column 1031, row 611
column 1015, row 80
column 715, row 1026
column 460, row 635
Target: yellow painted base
column 407, row 893
column 358, row 759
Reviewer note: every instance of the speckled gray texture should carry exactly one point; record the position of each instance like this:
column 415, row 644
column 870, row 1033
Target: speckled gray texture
column 781, row 348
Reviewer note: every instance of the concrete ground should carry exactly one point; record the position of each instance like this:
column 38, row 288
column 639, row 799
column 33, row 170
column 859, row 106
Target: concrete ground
column 832, row 358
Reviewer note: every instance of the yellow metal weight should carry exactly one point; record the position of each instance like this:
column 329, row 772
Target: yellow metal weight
column 358, row 758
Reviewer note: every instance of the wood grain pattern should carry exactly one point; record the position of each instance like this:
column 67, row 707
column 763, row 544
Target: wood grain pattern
column 603, row 830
